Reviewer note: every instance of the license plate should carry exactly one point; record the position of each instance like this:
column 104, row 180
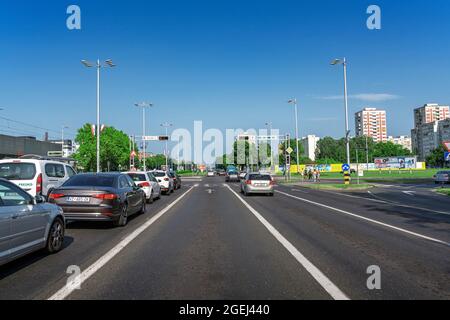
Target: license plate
column 260, row 185
column 78, row 199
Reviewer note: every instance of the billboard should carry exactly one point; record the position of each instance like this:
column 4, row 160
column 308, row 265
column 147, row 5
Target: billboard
column 396, row 163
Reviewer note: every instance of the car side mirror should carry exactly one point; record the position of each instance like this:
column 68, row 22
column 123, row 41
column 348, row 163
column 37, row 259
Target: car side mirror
column 39, row 199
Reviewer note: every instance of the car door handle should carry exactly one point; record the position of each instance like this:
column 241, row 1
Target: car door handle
column 15, row 217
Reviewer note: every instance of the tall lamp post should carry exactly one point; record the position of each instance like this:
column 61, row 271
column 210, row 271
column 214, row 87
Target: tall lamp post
column 62, row 138
column 144, row 105
column 270, row 125
column 347, row 132
column 98, row 65
column 294, row 102
column 167, row 125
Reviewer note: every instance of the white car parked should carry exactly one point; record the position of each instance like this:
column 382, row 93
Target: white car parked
column 164, row 180
column 148, row 183
column 36, row 175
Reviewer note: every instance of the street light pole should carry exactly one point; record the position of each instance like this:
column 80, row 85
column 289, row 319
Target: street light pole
column 144, row 105
column 166, row 126
column 347, row 132
column 294, row 101
column 108, row 63
column 269, row 124
column 62, row 138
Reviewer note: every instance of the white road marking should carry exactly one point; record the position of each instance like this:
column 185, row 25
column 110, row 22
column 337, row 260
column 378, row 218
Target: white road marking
column 388, row 202
column 91, row 270
column 367, row 219
column 302, row 191
column 321, row 278
column 410, row 193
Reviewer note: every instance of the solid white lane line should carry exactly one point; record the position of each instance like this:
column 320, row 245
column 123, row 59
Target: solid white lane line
column 366, row 219
column 91, row 270
column 321, row 278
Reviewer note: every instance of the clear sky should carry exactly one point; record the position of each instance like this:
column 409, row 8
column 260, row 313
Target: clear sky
column 232, row 64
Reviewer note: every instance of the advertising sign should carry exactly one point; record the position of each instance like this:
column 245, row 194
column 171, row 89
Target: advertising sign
column 396, row 163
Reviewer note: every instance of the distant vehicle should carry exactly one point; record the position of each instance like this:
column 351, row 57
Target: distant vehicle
column 442, row 177
column 27, row 224
column 232, row 176
column 242, row 175
column 148, row 183
column 210, row 173
column 257, row 183
column 164, row 180
column 176, row 180
column 37, row 176
column 221, row 173
column 100, row 197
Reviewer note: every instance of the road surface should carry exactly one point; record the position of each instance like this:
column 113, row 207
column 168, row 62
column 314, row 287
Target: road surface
column 207, row 241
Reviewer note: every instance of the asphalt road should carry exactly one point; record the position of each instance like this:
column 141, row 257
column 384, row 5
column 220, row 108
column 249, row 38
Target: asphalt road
column 207, row 241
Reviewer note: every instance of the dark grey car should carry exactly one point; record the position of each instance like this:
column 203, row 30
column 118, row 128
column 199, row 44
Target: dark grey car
column 27, row 224
column 100, row 197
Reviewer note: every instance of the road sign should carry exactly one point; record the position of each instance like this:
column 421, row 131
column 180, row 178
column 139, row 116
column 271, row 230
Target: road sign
column 55, row 154
column 289, row 150
column 346, row 167
column 155, row 138
column 446, row 145
column 447, row 156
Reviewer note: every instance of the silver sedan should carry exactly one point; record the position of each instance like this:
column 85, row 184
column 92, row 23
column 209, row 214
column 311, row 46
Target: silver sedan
column 257, row 183
column 27, row 224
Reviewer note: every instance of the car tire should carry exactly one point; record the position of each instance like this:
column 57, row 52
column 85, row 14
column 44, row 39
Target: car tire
column 123, row 218
column 55, row 239
column 151, row 199
column 144, row 205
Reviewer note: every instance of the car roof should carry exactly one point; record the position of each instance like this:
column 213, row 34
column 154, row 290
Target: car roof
column 103, row 174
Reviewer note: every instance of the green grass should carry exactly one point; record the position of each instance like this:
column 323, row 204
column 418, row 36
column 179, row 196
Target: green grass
column 444, row 191
column 394, row 176
column 335, row 186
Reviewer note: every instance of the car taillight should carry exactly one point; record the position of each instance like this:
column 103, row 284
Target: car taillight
column 144, row 184
column 248, row 182
column 272, row 182
column 166, row 179
column 39, row 184
column 106, row 196
column 55, row 196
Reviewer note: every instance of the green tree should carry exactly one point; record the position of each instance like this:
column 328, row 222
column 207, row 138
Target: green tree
column 114, row 149
column 302, row 160
column 389, row 149
column 436, row 158
column 330, row 150
column 155, row 162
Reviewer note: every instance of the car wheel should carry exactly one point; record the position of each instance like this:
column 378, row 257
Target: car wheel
column 144, row 205
column 123, row 219
column 151, row 199
column 55, row 236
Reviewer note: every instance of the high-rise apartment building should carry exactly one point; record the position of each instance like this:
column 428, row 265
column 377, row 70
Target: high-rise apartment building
column 426, row 135
column 371, row 122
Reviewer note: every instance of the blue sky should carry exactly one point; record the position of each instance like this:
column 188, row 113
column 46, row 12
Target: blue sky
column 232, row 64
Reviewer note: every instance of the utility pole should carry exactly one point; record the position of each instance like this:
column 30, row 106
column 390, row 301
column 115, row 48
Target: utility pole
column 108, row 63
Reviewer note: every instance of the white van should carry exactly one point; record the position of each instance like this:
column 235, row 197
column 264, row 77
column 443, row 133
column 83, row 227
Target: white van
column 36, row 176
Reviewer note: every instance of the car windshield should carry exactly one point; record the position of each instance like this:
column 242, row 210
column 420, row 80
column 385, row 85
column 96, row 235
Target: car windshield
column 260, row 177
column 137, row 176
column 17, row 171
column 90, row 180
column 231, row 173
